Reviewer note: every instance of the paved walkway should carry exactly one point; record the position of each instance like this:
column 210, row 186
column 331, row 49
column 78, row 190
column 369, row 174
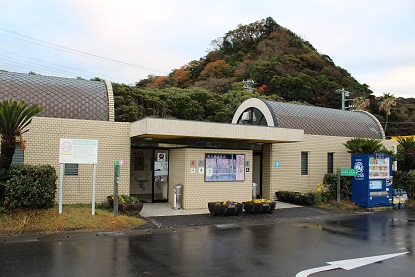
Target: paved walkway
column 164, row 209
column 162, row 216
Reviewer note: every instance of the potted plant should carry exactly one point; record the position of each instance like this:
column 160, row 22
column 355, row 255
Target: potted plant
column 259, row 206
column 126, row 203
column 225, row 207
column 282, row 195
column 307, row 198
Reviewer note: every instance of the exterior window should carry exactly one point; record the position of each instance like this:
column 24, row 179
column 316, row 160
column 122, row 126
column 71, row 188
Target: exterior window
column 304, row 163
column 18, row 156
column 252, row 116
column 71, row 169
column 330, row 162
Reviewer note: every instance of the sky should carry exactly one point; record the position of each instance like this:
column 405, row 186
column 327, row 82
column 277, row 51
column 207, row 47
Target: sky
column 124, row 41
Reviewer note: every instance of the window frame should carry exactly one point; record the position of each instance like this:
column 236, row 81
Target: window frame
column 304, row 163
column 71, row 170
column 330, row 162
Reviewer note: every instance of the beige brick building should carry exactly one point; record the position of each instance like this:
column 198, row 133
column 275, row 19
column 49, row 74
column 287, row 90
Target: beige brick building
column 277, row 146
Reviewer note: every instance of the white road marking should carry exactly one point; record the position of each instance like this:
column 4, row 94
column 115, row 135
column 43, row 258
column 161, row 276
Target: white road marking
column 349, row 264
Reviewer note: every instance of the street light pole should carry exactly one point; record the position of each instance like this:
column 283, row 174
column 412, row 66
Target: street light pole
column 344, row 95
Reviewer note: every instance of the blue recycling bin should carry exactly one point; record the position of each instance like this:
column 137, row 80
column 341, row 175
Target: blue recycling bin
column 403, row 197
column 399, row 198
column 396, row 198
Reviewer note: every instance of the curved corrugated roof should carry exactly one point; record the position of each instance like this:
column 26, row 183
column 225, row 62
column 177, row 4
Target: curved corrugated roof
column 315, row 120
column 60, row 97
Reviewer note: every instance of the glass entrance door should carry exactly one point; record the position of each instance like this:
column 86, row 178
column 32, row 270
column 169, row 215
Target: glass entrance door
column 256, row 174
column 161, row 175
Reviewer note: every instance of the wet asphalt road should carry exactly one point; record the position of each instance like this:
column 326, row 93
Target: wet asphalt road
column 282, row 244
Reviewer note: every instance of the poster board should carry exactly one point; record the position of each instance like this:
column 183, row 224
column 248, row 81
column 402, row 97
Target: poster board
column 224, row 167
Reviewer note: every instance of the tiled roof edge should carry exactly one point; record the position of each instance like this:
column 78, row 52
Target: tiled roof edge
column 274, row 116
column 110, row 93
column 374, row 119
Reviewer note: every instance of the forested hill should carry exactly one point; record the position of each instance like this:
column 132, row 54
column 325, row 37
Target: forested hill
column 282, row 65
column 277, row 60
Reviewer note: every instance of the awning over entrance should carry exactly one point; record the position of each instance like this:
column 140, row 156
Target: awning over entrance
column 174, row 131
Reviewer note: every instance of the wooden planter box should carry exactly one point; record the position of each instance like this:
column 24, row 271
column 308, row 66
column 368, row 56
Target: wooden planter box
column 307, row 199
column 282, row 196
column 130, row 209
column 295, row 197
column 259, row 207
column 225, row 209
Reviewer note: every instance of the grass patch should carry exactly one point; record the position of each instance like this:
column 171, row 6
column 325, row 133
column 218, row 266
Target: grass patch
column 410, row 203
column 73, row 218
column 350, row 206
column 344, row 204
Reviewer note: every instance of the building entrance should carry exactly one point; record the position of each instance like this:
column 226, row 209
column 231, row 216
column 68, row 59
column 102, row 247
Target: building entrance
column 257, row 173
column 149, row 174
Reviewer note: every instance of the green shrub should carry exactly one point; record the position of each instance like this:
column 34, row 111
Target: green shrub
column 317, row 198
column 330, row 187
column 30, row 186
column 4, row 176
column 406, row 181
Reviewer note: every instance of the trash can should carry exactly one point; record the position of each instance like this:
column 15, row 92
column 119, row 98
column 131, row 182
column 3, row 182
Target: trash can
column 396, row 195
column 403, row 197
column 177, row 204
column 254, row 194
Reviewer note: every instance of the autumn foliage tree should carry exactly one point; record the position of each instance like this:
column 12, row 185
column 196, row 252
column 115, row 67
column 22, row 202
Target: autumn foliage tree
column 217, row 69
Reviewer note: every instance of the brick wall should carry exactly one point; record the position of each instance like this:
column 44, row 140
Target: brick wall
column 196, row 192
column 288, row 175
column 42, row 142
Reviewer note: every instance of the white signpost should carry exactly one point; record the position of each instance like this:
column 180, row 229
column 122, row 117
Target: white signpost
column 78, row 151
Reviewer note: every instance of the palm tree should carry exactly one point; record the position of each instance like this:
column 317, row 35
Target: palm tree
column 363, row 146
column 361, row 103
column 387, row 101
column 14, row 118
column 406, row 147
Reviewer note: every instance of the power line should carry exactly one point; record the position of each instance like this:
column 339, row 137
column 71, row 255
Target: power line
column 408, row 122
column 72, row 51
column 60, row 70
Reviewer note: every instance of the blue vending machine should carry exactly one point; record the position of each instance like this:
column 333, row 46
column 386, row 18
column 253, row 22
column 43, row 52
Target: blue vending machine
column 372, row 187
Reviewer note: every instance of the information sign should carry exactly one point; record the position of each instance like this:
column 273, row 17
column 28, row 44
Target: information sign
column 78, row 151
column 348, row 172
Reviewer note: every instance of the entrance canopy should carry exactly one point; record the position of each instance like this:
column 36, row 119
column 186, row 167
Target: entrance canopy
column 198, row 133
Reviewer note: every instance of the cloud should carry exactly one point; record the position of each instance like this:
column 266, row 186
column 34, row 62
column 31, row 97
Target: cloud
column 397, row 79
column 367, row 38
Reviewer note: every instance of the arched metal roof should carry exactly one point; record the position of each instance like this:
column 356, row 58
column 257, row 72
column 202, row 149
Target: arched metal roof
column 313, row 120
column 60, row 97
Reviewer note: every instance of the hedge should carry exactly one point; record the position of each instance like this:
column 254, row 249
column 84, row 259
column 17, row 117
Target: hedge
column 406, row 181
column 30, row 186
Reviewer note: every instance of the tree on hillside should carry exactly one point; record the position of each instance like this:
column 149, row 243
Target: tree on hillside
column 387, row 101
column 14, row 118
column 217, row 69
column 247, row 36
